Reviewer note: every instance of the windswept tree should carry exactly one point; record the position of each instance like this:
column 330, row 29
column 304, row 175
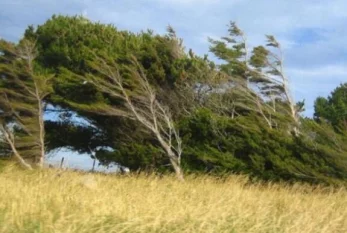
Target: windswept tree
column 170, row 72
column 140, row 103
column 226, row 114
column 258, row 76
column 272, row 81
column 23, row 90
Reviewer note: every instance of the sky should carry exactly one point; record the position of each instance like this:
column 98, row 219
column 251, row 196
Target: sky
column 313, row 33
column 74, row 160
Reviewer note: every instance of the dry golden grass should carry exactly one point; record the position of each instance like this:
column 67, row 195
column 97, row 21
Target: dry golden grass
column 41, row 201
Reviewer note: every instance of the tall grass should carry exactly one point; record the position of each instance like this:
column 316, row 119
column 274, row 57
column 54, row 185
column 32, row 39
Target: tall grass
column 50, row 201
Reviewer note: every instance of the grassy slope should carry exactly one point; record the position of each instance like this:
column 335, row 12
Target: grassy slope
column 42, row 201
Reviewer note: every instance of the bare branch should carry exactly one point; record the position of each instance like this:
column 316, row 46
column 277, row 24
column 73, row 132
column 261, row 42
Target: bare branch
column 145, row 108
column 9, row 139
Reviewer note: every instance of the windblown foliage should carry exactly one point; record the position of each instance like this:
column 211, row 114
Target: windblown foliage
column 236, row 117
column 334, row 108
column 23, row 89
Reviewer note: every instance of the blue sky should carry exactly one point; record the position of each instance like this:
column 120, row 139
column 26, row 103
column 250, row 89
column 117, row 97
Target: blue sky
column 312, row 32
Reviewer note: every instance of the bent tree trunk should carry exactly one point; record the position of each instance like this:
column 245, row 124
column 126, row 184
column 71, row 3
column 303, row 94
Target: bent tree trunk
column 177, row 167
column 10, row 141
column 175, row 160
column 142, row 107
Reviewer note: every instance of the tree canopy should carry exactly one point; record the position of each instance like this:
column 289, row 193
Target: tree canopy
column 143, row 101
column 334, row 108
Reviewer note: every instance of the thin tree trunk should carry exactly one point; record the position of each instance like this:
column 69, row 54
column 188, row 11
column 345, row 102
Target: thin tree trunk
column 177, row 167
column 175, row 159
column 41, row 135
column 268, row 121
column 10, row 141
column 40, row 160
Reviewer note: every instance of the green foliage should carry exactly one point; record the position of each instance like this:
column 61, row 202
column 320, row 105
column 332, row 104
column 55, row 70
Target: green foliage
column 232, row 49
column 69, row 45
column 68, row 41
column 334, row 108
column 136, row 156
column 23, row 88
column 80, row 138
column 232, row 118
column 256, row 81
column 217, row 143
column 259, row 58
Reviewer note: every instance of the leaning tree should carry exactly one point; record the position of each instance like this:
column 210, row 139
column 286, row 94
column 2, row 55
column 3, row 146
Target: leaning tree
column 23, row 89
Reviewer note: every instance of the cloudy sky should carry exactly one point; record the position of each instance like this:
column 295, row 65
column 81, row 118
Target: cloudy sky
column 312, row 32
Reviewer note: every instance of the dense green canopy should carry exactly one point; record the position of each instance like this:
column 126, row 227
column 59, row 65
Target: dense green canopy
column 236, row 117
column 334, row 108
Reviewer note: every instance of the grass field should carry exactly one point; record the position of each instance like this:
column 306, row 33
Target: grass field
column 50, row 201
